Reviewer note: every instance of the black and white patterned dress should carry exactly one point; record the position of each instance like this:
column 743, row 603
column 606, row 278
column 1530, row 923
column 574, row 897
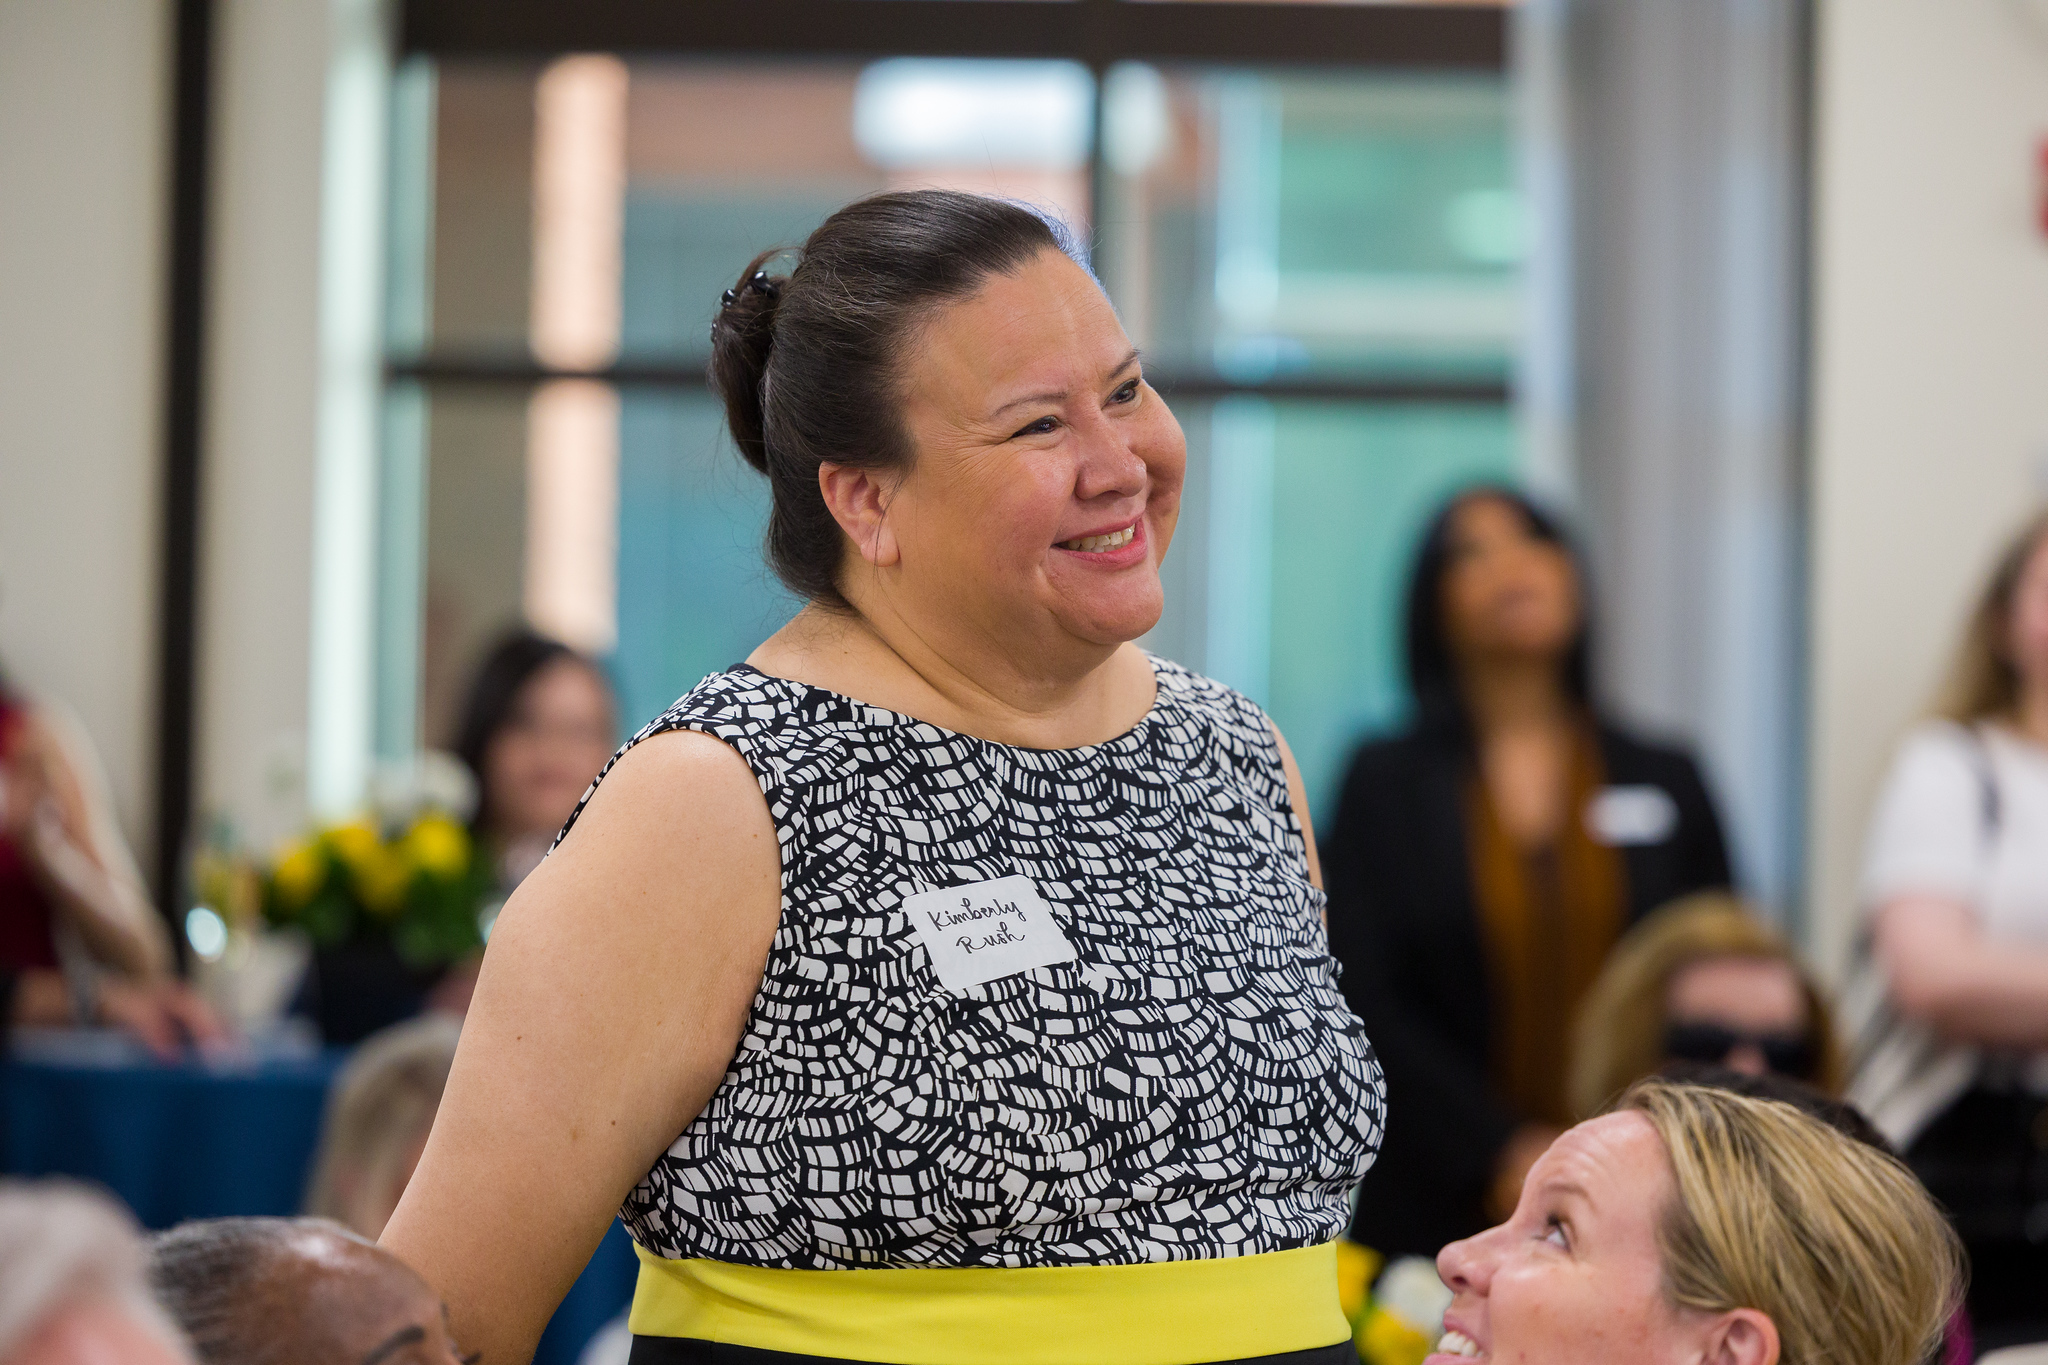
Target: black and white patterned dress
column 1190, row 1086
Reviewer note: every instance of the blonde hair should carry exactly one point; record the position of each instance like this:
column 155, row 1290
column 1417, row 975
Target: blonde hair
column 1832, row 1239
column 1618, row 1036
column 1982, row 682
column 381, row 1107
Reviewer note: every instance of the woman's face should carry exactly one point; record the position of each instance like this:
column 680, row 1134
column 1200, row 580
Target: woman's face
column 1506, row 592
column 1750, row 1011
column 2028, row 642
column 1574, row 1277
column 1046, row 475
column 558, row 734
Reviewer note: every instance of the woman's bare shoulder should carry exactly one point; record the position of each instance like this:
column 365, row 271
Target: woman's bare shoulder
column 674, row 781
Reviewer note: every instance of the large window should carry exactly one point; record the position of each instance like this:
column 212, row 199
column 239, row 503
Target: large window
column 1316, row 248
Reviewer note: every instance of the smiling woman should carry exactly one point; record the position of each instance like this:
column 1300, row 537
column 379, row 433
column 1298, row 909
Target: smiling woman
column 1693, row 1224
column 948, row 982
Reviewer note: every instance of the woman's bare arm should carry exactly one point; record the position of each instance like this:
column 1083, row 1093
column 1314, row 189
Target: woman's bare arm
column 612, row 998
column 76, row 849
column 1944, row 972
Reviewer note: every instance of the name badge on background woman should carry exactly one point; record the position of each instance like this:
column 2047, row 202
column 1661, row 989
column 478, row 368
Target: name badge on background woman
column 1631, row 816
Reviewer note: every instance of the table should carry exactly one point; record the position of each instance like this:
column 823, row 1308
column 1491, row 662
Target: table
column 213, row 1136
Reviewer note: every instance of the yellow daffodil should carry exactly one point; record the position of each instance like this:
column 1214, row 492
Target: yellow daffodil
column 1388, row 1339
column 383, row 879
column 1356, row 1267
column 439, row 846
column 299, row 873
column 356, row 844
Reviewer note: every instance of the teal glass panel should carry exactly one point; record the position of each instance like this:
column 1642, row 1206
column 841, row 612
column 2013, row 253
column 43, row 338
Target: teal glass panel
column 1260, row 224
column 695, row 595
column 682, row 251
column 1353, row 488
column 1311, row 512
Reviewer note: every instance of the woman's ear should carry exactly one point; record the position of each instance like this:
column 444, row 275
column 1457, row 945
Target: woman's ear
column 1742, row 1337
column 859, row 501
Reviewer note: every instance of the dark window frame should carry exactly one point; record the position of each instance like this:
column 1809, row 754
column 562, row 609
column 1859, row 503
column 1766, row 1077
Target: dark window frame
column 1097, row 33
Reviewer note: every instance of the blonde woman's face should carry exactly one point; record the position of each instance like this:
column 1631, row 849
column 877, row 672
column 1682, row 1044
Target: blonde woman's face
column 2029, row 627
column 1575, row 1277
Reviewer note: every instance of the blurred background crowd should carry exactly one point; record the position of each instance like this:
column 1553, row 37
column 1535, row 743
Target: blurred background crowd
column 1615, row 430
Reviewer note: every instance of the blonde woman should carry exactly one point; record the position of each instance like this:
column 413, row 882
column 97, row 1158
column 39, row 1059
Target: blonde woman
column 1701, row 980
column 1954, row 1066
column 1693, row 1224
column 378, row 1116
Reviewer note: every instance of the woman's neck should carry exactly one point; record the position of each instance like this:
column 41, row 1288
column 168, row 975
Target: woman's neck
column 976, row 688
column 1508, row 696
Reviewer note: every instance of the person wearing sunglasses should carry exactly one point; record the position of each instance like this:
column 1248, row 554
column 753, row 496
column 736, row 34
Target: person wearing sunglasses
column 1701, row 980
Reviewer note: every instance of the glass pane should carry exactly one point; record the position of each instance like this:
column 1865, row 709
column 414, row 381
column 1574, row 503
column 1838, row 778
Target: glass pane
column 591, row 209
column 1286, row 574
column 695, row 593
column 475, row 537
column 1259, row 224
column 1353, row 225
column 723, row 162
column 478, row 228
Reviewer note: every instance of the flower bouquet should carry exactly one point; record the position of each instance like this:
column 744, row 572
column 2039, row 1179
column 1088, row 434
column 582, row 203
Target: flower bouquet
column 416, row 884
column 388, row 901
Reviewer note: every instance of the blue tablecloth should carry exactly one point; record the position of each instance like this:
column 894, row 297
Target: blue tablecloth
column 209, row 1138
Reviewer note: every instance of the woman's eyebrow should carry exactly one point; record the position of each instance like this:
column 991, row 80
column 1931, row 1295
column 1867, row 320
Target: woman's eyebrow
column 403, row 1337
column 1569, row 1188
column 1062, row 395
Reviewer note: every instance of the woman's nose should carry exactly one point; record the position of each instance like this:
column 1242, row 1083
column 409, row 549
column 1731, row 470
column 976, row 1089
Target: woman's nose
column 1109, row 466
column 1464, row 1266
column 1748, row 1059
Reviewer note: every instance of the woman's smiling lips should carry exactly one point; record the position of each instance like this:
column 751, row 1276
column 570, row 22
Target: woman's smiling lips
column 1456, row 1344
column 1113, row 548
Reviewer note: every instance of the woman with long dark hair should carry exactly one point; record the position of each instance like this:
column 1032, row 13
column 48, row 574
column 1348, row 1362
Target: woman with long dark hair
column 538, row 723
column 1484, row 861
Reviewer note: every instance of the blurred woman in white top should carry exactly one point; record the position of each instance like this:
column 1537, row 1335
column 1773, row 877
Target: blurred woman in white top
column 1954, row 1064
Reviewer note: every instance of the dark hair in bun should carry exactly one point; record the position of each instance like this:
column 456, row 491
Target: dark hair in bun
column 808, row 363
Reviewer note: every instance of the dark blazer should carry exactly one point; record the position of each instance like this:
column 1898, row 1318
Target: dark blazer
column 1405, row 926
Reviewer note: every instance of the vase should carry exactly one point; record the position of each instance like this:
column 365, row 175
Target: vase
column 357, row 988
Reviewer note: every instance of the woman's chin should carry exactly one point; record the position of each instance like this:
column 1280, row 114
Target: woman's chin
column 1113, row 617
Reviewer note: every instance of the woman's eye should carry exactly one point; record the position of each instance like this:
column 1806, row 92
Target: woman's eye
column 1128, row 393
column 1554, row 1233
column 1044, row 426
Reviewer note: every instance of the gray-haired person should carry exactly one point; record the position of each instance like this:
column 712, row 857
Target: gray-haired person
column 303, row 1291
column 72, row 1290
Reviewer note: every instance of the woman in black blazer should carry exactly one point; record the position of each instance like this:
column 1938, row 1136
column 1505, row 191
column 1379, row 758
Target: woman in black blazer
column 1483, row 862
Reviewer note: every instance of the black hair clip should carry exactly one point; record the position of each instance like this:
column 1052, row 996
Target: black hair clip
column 757, row 283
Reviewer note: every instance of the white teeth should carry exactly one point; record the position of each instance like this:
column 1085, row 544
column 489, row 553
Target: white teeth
column 1456, row 1343
column 1115, row 540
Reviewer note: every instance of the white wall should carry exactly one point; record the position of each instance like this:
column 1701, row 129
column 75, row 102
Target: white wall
column 1930, row 391
column 263, row 377
column 84, row 139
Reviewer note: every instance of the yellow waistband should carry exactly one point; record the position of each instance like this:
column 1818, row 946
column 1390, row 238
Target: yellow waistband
column 1159, row 1313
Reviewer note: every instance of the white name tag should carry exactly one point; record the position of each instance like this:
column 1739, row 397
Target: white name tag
column 1624, row 816
column 978, row 932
